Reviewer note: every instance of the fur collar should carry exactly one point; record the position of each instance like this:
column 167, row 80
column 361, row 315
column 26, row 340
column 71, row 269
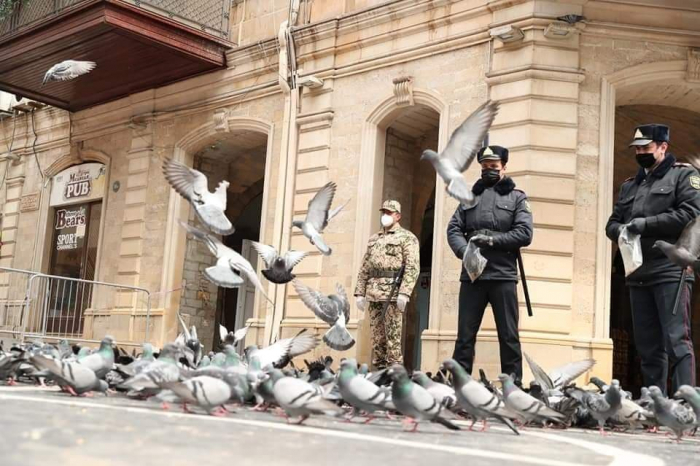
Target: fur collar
column 503, row 187
column 659, row 171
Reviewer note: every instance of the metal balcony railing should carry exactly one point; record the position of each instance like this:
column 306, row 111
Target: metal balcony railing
column 208, row 16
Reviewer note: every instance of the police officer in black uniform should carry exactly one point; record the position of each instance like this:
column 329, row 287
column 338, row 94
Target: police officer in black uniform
column 500, row 224
column 658, row 203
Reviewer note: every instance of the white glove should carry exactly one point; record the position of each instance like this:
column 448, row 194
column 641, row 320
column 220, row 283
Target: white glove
column 361, row 302
column 401, row 302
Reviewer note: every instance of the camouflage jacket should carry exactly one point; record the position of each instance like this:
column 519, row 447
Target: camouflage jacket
column 387, row 251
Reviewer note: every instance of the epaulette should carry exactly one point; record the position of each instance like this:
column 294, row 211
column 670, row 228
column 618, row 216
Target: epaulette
column 631, row 178
column 682, row 164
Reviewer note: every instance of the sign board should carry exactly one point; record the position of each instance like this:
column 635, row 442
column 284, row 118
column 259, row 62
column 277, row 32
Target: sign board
column 79, row 183
column 70, row 223
column 29, row 202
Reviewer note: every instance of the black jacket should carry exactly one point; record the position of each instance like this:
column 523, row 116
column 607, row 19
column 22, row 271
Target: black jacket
column 668, row 199
column 505, row 212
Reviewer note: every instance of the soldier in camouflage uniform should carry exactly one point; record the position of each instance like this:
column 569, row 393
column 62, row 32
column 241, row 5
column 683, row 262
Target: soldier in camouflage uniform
column 387, row 251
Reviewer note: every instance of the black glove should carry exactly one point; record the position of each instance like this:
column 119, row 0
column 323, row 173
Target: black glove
column 637, row 226
column 482, row 240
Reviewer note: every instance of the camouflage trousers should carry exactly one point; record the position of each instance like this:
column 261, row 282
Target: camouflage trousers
column 386, row 335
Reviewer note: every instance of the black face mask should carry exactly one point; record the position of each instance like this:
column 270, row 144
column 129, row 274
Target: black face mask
column 490, row 176
column 646, row 160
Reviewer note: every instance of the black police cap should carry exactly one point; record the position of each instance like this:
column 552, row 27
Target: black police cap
column 644, row 134
column 492, row 153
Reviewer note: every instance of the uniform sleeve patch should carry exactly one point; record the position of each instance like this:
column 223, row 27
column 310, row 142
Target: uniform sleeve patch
column 695, row 181
column 527, row 206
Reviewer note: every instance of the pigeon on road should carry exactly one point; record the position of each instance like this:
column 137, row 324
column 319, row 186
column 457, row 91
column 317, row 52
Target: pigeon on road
column 76, row 377
column 279, row 268
column 68, row 69
column 194, row 186
column 228, row 262
column 299, row 398
column 188, row 339
column 461, row 151
column 561, row 376
column 672, row 414
column 333, row 309
column 206, row 392
column 443, row 394
column 318, row 215
column 687, row 249
column 359, row 392
column 414, row 401
column 603, row 407
column 101, row 361
column 526, row 407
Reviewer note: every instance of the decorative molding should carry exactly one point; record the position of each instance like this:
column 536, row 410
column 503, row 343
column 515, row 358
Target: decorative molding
column 693, row 72
column 403, row 91
column 220, row 117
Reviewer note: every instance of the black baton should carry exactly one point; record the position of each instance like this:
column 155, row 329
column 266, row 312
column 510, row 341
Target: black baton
column 397, row 280
column 524, row 280
column 679, row 291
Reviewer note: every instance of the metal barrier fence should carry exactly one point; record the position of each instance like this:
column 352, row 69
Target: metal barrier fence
column 35, row 305
column 209, row 16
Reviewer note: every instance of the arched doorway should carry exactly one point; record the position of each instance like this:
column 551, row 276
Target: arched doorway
column 650, row 93
column 238, row 157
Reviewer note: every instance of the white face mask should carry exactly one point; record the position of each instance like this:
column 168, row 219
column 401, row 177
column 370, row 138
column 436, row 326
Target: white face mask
column 387, row 220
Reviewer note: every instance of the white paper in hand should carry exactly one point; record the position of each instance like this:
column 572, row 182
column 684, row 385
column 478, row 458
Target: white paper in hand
column 631, row 250
column 474, row 263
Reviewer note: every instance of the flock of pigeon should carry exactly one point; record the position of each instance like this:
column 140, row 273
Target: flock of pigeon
column 265, row 378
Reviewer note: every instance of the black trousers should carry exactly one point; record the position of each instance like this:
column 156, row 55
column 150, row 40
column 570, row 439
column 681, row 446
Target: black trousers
column 662, row 339
column 473, row 298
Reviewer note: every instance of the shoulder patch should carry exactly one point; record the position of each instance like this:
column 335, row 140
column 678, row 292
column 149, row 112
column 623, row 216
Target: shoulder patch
column 526, row 204
column 682, row 164
column 695, row 181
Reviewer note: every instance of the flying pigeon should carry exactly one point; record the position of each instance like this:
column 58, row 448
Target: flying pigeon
column 78, row 378
column 359, row 392
column 299, row 398
column 232, row 338
column 461, row 151
column 572, row 19
column 318, row 215
column 194, row 186
column 280, row 353
column 687, row 249
column 189, row 340
column 672, row 414
column 279, row 268
column 561, row 376
column 69, row 69
column 333, row 309
column 228, row 262
column 603, row 407
column 101, row 361
column 476, row 399
column 414, row 401
column 526, row 407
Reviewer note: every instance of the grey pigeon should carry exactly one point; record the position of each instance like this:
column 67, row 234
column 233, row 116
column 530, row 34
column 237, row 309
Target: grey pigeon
column 359, row 392
column 228, row 262
column 572, row 19
column 691, row 396
column 476, row 399
column 140, row 364
column 318, row 215
column 279, row 268
column 281, row 352
column 333, row 309
column 206, row 392
column 631, row 414
column 101, row 361
column 460, row 152
column 161, row 371
column 603, row 407
column 560, row 376
column 524, row 406
column 76, row 377
column 443, row 394
column 68, row 69
column 193, row 185
column 672, row 414
column 687, row 249
column 232, row 338
column 414, row 401
column 190, row 341
column 299, row 398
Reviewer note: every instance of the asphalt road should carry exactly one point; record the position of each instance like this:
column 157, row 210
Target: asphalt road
column 45, row 427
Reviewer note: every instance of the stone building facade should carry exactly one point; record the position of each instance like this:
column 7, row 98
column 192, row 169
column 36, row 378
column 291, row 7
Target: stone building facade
column 397, row 77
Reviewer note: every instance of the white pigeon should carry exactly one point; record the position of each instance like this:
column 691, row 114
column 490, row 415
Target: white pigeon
column 279, row 268
column 333, row 309
column 193, row 185
column 228, row 262
column 461, row 151
column 281, row 352
column 232, row 338
column 189, row 341
column 318, row 215
column 69, row 69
